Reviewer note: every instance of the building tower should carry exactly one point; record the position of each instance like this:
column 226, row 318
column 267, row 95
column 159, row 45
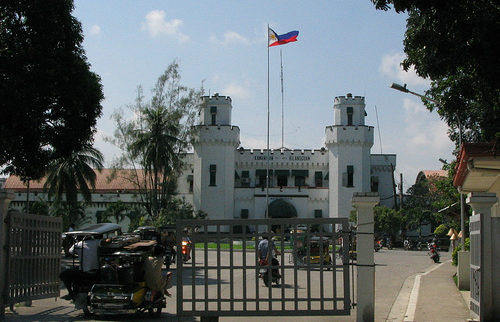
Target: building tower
column 348, row 141
column 215, row 142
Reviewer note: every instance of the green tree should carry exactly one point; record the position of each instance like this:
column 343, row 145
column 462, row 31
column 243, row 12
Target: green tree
column 117, row 210
column 387, row 221
column 453, row 43
column 71, row 214
column 156, row 139
column 179, row 209
column 50, row 98
column 72, row 175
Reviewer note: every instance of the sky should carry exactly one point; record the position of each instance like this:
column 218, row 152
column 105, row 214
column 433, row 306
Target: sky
column 344, row 46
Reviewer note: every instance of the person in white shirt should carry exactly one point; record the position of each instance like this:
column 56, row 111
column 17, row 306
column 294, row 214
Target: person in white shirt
column 88, row 255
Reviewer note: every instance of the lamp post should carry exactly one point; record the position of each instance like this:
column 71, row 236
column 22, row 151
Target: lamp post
column 403, row 89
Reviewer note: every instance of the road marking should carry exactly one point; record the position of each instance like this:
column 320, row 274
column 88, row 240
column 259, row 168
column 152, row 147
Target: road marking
column 412, row 303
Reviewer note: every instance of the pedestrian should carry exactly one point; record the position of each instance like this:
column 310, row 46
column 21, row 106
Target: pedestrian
column 153, row 275
column 86, row 274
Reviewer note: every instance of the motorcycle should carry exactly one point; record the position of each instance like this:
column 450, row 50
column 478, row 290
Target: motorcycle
column 169, row 257
column 407, row 244
column 264, row 270
column 389, row 243
column 433, row 253
column 186, row 250
column 378, row 245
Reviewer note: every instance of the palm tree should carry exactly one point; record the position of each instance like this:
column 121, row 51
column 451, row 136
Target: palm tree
column 158, row 147
column 68, row 176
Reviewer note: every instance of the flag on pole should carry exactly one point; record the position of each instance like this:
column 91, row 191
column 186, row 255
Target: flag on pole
column 276, row 40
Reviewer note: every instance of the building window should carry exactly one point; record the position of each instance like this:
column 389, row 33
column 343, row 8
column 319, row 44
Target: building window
column 262, row 181
column 318, row 213
column 300, row 181
column 282, row 177
column 350, row 176
column 244, row 213
column 282, row 181
column 213, row 171
column 374, row 184
column 213, row 111
column 318, row 179
column 245, row 178
column 349, row 115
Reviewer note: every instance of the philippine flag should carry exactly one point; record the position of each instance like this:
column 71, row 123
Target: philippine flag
column 276, row 40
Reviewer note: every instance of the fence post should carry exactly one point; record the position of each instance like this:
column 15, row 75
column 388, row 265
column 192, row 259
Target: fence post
column 482, row 203
column 364, row 203
column 5, row 199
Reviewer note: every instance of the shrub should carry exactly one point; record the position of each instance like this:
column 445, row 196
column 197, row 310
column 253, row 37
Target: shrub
column 454, row 255
column 440, row 230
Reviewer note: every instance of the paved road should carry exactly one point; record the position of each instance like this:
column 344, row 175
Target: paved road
column 394, row 267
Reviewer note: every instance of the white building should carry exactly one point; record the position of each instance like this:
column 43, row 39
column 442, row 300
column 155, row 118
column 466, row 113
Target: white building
column 228, row 181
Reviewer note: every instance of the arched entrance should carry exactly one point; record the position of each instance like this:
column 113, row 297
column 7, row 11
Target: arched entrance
column 280, row 208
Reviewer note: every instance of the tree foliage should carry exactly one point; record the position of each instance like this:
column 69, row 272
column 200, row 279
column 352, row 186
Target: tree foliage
column 156, row 139
column 387, row 221
column 50, row 98
column 71, row 175
column 453, row 43
column 433, row 201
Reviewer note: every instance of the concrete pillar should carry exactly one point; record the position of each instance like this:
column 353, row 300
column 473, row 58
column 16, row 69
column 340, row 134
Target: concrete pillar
column 364, row 203
column 482, row 203
column 463, row 270
column 5, row 199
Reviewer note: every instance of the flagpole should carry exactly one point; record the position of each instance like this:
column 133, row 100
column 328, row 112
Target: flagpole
column 282, row 104
column 267, row 170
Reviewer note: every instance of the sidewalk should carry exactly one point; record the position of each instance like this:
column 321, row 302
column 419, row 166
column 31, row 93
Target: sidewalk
column 439, row 298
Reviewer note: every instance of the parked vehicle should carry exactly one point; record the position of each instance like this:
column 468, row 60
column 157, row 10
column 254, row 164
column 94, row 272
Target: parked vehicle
column 269, row 273
column 186, row 249
column 388, row 243
column 118, row 287
column 312, row 251
column 434, row 253
column 378, row 245
column 407, row 244
column 121, row 288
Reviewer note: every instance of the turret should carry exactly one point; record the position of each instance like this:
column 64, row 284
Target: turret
column 349, row 142
column 216, row 110
column 214, row 143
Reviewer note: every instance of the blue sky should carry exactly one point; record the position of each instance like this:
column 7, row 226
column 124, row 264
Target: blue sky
column 343, row 47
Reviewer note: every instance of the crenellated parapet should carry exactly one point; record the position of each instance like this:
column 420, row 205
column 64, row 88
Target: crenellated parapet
column 349, row 135
column 221, row 134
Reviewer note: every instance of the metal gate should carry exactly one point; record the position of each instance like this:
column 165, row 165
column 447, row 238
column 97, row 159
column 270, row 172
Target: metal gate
column 475, row 264
column 222, row 276
column 34, row 257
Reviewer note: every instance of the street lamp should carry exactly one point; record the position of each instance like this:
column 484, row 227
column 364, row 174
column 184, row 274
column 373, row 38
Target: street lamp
column 403, row 89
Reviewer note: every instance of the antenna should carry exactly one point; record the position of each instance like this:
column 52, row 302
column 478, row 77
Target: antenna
column 378, row 129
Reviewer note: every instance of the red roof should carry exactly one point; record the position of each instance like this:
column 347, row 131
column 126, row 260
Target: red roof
column 426, row 174
column 105, row 181
column 469, row 151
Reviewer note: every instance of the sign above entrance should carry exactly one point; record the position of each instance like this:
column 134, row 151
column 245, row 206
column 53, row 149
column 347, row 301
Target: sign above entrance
column 283, row 158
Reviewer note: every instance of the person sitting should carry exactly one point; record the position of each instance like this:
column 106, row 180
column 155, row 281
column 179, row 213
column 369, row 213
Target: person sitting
column 153, row 276
column 265, row 251
column 86, row 274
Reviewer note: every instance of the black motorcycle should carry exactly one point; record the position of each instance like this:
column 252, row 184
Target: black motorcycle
column 265, row 269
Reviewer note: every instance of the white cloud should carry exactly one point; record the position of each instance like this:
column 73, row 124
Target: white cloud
column 230, row 37
column 156, row 24
column 236, row 91
column 424, row 129
column 390, row 66
column 95, row 30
